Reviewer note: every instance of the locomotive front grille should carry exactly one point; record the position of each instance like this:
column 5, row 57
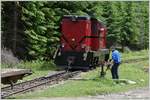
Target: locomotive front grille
column 74, row 59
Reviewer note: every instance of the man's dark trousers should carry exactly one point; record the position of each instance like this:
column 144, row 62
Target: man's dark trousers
column 114, row 71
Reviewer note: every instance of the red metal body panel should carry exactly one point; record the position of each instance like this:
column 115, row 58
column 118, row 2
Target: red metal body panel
column 95, row 34
column 103, row 37
column 83, row 41
column 73, row 34
column 100, row 36
column 82, row 35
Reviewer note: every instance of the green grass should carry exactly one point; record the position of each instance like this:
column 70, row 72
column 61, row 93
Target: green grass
column 38, row 65
column 39, row 68
column 135, row 54
column 95, row 85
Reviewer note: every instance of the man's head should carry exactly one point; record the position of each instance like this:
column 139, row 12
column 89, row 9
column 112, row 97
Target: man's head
column 112, row 48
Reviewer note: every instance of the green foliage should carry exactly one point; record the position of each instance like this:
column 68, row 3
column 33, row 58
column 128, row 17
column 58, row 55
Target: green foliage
column 123, row 20
column 126, row 22
column 41, row 29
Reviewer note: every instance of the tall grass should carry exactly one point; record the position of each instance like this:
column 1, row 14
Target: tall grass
column 94, row 85
column 38, row 67
column 135, row 54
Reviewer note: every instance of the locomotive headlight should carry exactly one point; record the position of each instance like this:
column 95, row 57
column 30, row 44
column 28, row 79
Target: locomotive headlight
column 63, row 45
column 73, row 39
column 102, row 29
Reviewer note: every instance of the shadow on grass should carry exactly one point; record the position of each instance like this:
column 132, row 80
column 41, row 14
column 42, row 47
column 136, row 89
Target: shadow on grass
column 96, row 79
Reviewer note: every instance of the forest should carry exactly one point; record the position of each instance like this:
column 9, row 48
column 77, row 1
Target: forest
column 31, row 29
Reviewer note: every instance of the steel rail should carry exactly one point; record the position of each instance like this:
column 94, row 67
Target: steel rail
column 35, row 83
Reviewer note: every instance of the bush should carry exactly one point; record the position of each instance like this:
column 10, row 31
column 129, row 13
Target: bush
column 38, row 65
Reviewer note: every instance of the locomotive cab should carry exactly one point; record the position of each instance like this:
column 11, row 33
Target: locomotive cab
column 83, row 39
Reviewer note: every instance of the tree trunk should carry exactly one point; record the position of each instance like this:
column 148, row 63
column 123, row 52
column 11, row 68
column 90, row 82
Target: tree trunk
column 15, row 28
column 122, row 46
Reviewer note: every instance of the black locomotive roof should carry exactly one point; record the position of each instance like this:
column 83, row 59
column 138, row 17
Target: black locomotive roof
column 77, row 17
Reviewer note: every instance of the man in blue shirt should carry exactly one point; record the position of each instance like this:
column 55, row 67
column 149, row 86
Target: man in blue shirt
column 116, row 57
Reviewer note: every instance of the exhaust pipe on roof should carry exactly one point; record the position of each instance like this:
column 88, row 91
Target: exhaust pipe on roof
column 74, row 18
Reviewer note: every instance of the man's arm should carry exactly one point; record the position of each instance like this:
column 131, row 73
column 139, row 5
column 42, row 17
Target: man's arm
column 113, row 57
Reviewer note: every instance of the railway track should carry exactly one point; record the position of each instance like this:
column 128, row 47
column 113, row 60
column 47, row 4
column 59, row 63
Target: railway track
column 36, row 83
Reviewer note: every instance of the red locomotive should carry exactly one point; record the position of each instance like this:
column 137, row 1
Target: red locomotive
column 83, row 43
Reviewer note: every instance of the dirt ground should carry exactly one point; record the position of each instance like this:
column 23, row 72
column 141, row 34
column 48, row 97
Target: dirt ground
column 137, row 94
